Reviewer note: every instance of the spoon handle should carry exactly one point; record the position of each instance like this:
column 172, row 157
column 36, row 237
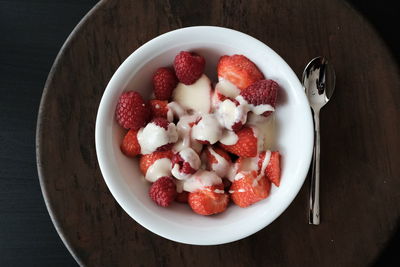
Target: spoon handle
column 314, row 188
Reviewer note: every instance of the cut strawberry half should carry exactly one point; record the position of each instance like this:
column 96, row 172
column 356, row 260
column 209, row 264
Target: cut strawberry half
column 273, row 169
column 130, row 145
column 247, row 144
column 239, row 70
column 210, row 200
column 249, row 189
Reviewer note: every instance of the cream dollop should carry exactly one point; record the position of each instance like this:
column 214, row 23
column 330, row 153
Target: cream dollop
column 153, row 136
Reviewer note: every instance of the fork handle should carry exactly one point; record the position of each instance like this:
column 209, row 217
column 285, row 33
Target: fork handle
column 313, row 216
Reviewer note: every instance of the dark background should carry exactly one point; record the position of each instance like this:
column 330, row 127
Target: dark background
column 31, row 34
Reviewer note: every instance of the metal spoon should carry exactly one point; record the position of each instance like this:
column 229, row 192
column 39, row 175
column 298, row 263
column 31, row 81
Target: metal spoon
column 319, row 84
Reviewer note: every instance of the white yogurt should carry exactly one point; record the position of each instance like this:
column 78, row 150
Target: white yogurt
column 227, row 88
column 174, row 111
column 153, row 136
column 222, row 166
column 229, row 114
column 160, row 168
column 207, row 129
column 259, row 109
column 200, row 180
column 195, row 97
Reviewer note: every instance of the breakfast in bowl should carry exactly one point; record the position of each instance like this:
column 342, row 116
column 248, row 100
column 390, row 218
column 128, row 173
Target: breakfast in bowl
column 185, row 119
column 204, row 143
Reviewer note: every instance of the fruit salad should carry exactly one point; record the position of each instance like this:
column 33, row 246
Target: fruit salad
column 200, row 142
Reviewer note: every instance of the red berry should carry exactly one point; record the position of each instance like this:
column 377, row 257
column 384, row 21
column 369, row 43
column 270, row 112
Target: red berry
column 130, row 145
column 182, row 197
column 249, row 189
column 164, row 82
column 239, row 70
column 189, row 67
column 163, row 191
column 261, row 92
column 162, row 122
column 184, row 166
column 158, row 108
column 148, row 159
column 273, row 169
column 132, row 111
column 246, row 146
column 207, row 201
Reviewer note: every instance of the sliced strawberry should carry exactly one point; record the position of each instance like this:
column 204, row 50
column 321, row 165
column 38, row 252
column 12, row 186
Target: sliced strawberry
column 164, row 82
column 182, row 197
column 158, row 108
column 239, row 70
column 147, row 160
column 163, row 191
column 209, row 200
column 246, row 146
column 249, row 189
column 132, row 112
column 130, row 145
column 273, row 170
column 262, row 92
column 189, row 67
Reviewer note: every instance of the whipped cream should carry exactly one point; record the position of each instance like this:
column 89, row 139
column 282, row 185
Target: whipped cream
column 222, row 166
column 207, row 129
column 153, row 136
column 196, row 98
column 160, row 168
column 200, row 180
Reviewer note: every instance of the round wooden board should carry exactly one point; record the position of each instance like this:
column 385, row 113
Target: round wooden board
column 360, row 131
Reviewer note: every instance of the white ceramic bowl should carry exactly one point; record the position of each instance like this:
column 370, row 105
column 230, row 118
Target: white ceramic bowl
column 178, row 222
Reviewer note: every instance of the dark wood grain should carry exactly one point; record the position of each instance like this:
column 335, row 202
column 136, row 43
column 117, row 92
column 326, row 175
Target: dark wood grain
column 360, row 136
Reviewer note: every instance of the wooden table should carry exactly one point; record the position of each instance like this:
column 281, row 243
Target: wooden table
column 360, row 203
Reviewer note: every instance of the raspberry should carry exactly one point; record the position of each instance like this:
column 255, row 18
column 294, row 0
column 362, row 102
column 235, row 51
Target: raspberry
column 261, row 92
column 132, row 112
column 163, row 191
column 164, row 82
column 161, row 122
column 159, row 108
column 189, row 67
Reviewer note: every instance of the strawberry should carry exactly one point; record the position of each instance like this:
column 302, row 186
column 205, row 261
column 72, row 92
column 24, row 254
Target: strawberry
column 163, row 191
column 164, row 82
column 147, row 160
column 158, row 108
column 182, row 197
column 246, row 146
column 260, row 93
column 273, row 170
column 249, row 189
column 132, row 112
column 189, row 67
column 209, row 200
column 239, row 70
column 130, row 145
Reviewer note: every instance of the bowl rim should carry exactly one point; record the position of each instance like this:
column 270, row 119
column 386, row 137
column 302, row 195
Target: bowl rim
column 105, row 168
